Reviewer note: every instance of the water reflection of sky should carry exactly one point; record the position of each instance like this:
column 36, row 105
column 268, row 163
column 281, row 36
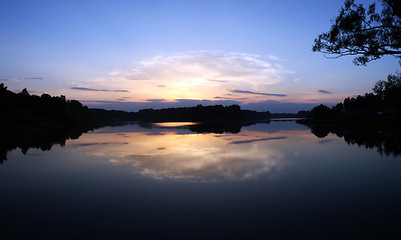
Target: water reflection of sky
column 269, row 181
column 180, row 155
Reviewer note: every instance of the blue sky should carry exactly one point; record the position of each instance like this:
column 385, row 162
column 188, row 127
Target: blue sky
column 139, row 54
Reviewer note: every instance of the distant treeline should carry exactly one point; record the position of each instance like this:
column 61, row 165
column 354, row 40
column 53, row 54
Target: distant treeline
column 300, row 114
column 25, row 108
column 17, row 108
column 200, row 113
column 381, row 106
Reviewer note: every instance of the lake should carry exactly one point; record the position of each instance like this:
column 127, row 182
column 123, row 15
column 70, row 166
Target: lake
column 263, row 181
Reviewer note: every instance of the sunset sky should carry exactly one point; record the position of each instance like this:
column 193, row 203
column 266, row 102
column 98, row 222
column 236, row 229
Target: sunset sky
column 131, row 54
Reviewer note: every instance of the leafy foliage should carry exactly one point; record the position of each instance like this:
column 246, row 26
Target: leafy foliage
column 320, row 111
column 363, row 32
column 25, row 108
column 383, row 103
column 216, row 113
column 389, row 91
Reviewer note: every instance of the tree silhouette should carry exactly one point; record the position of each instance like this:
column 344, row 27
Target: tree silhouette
column 25, row 108
column 389, row 91
column 320, row 112
column 216, row 113
column 381, row 106
column 363, row 32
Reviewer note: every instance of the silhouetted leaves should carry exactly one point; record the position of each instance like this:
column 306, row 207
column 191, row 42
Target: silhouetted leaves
column 389, row 91
column 200, row 113
column 371, row 120
column 320, row 112
column 363, row 32
column 383, row 106
column 26, row 108
column 29, row 121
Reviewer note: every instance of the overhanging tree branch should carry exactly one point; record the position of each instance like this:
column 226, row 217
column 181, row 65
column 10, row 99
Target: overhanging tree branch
column 364, row 32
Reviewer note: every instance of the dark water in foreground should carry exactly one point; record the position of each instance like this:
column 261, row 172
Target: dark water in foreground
column 269, row 181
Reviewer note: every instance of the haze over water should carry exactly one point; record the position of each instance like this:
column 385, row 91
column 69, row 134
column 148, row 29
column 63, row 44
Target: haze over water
column 274, row 180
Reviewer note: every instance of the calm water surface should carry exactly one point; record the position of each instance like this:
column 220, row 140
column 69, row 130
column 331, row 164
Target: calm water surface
column 268, row 181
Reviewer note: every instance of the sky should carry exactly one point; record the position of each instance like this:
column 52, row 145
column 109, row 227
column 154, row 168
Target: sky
column 136, row 54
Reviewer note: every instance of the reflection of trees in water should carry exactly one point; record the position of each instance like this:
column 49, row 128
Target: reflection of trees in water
column 38, row 136
column 386, row 142
column 45, row 136
column 217, row 127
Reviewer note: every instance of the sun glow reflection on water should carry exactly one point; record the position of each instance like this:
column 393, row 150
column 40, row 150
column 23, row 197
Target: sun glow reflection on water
column 264, row 181
column 191, row 157
column 175, row 124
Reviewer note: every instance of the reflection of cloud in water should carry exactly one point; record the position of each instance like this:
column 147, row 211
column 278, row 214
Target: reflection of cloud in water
column 93, row 144
column 175, row 124
column 191, row 157
column 256, row 140
column 134, row 156
column 34, row 154
column 324, row 141
column 123, row 135
column 216, row 165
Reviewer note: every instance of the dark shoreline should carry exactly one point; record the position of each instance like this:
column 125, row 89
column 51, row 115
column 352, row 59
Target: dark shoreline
column 371, row 124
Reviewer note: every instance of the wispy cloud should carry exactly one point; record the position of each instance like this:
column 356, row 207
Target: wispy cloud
column 33, row 78
column 272, row 57
column 324, row 91
column 192, row 74
column 257, row 93
column 209, row 65
column 156, row 100
column 217, row 80
column 19, row 79
column 137, row 78
column 231, row 98
column 96, row 90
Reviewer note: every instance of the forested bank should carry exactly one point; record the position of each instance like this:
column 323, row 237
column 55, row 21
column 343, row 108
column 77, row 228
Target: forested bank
column 382, row 106
column 24, row 108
